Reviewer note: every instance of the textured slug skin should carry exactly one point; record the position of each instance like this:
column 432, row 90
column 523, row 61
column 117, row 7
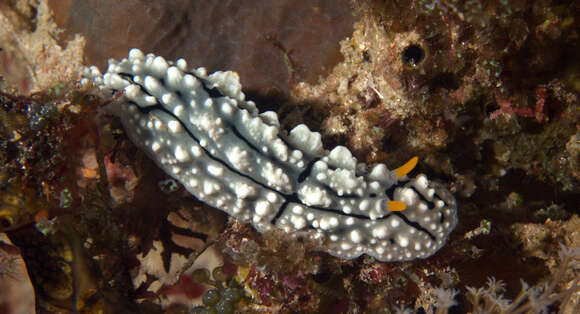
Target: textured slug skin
column 200, row 129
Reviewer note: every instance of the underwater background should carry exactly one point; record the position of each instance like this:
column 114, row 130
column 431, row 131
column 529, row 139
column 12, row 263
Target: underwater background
column 485, row 93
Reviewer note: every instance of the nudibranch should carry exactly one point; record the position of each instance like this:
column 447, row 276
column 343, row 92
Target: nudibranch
column 200, row 129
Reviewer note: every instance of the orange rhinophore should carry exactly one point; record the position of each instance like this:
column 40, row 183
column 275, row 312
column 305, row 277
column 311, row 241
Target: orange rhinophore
column 396, row 206
column 407, row 167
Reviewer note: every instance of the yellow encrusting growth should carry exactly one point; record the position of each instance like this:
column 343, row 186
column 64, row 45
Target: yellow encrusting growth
column 396, row 206
column 407, row 167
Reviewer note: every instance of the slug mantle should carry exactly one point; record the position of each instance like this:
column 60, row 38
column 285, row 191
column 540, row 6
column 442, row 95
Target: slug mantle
column 200, row 130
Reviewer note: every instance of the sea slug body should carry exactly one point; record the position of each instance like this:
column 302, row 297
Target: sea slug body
column 200, row 129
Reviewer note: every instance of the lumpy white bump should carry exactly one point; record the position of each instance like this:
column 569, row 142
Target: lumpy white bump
column 174, row 126
column 181, row 154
